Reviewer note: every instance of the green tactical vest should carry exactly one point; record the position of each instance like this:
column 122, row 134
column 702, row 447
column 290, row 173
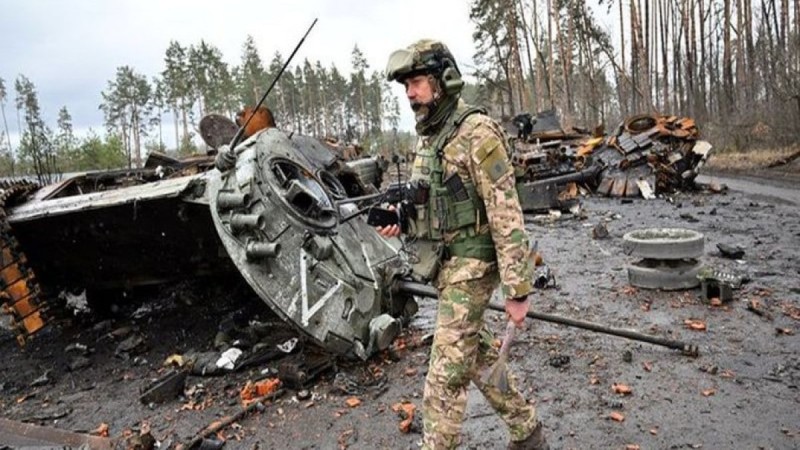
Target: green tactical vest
column 444, row 212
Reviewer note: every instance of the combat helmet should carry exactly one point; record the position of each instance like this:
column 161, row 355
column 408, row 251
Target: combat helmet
column 426, row 56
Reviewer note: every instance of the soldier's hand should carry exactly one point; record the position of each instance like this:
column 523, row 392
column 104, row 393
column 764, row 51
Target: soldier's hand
column 389, row 230
column 517, row 310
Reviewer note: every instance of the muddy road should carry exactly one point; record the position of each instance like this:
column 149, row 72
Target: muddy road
column 742, row 392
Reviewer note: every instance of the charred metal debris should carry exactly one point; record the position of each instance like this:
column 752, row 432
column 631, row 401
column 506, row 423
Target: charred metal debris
column 647, row 155
column 269, row 214
column 271, row 211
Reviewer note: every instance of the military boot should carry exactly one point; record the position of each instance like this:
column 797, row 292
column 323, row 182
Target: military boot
column 535, row 441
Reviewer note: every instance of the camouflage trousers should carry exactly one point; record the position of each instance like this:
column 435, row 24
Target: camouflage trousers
column 462, row 351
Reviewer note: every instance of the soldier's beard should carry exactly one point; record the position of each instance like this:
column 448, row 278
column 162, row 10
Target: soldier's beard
column 421, row 110
column 431, row 115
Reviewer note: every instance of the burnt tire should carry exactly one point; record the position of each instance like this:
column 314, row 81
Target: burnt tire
column 664, row 243
column 665, row 275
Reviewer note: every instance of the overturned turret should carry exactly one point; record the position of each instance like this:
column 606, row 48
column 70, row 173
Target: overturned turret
column 271, row 210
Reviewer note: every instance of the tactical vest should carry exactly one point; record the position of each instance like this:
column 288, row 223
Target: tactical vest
column 452, row 206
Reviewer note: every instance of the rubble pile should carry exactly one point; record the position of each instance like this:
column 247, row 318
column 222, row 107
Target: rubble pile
column 645, row 156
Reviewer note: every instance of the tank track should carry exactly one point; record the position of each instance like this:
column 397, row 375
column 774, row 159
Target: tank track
column 20, row 292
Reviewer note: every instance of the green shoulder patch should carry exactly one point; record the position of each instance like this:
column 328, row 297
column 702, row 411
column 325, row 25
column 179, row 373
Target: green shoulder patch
column 492, row 161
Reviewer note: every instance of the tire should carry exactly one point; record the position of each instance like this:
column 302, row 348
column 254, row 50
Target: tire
column 664, row 243
column 665, row 275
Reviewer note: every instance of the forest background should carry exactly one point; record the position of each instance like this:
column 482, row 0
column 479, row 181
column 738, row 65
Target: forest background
column 732, row 65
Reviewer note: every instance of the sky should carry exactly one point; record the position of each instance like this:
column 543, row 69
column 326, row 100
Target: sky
column 71, row 49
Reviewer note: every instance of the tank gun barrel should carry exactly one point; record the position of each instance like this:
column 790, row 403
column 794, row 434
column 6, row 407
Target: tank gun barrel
column 425, row 290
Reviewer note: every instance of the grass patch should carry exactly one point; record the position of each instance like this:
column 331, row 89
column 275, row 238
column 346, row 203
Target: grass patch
column 753, row 158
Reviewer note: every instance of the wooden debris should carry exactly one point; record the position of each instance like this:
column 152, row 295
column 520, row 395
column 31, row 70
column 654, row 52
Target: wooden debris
column 218, row 425
column 695, row 324
column 616, row 416
column 352, row 402
column 101, row 430
column 756, row 307
column 621, row 389
column 406, row 412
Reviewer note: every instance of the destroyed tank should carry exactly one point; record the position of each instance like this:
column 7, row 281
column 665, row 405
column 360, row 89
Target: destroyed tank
column 273, row 209
column 645, row 156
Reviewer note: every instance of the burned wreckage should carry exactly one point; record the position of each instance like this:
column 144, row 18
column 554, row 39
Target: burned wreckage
column 285, row 212
column 270, row 213
column 646, row 155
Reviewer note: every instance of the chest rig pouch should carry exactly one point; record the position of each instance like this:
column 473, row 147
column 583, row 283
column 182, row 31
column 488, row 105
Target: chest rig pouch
column 451, row 207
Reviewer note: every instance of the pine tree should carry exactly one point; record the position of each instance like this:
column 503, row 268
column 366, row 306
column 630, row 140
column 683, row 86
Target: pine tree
column 127, row 105
column 8, row 151
column 36, row 145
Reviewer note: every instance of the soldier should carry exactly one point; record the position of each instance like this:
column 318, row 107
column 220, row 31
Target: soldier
column 468, row 227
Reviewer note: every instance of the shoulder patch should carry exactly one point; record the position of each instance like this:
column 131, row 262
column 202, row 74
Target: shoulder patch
column 494, row 165
column 491, row 156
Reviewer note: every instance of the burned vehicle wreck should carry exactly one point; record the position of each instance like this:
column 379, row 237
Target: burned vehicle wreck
column 271, row 211
column 646, row 155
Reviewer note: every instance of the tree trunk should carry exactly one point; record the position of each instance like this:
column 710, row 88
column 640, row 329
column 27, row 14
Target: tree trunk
column 750, row 50
column 533, row 98
column 701, row 78
column 741, row 76
column 519, row 101
column 550, row 51
column 620, row 91
column 175, row 120
column 564, row 56
column 185, row 140
column 679, row 100
column 136, row 142
column 664, row 21
column 8, row 138
column 635, row 100
column 727, row 70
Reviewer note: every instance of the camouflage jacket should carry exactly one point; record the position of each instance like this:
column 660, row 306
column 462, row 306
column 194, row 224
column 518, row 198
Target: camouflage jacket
column 478, row 142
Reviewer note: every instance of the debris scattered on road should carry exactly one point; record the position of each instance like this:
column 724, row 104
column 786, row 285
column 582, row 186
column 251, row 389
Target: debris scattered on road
column 165, row 388
column 26, row 435
column 669, row 258
column 406, row 412
column 730, row 251
column 227, row 360
column 616, row 416
column 621, row 389
column 559, row 361
column 255, row 391
column 600, row 231
column 756, row 307
column 695, row 324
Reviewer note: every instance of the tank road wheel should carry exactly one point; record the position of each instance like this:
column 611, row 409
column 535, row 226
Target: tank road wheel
column 667, row 275
column 663, row 243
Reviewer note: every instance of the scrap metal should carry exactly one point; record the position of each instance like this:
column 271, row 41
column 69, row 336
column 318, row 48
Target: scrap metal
column 19, row 288
column 646, row 155
column 272, row 217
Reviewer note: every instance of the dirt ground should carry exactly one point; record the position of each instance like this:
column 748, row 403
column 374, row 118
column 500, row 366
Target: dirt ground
column 740, row 393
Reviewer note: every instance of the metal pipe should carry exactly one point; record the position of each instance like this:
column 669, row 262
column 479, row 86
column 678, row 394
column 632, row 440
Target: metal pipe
column 261, row 250
column 582, row 176
column 229, row 200
column 241, row 222
column 425, row 290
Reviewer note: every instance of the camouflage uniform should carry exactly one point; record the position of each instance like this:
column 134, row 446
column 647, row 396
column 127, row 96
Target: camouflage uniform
column 484, row 239
column 462, row 344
